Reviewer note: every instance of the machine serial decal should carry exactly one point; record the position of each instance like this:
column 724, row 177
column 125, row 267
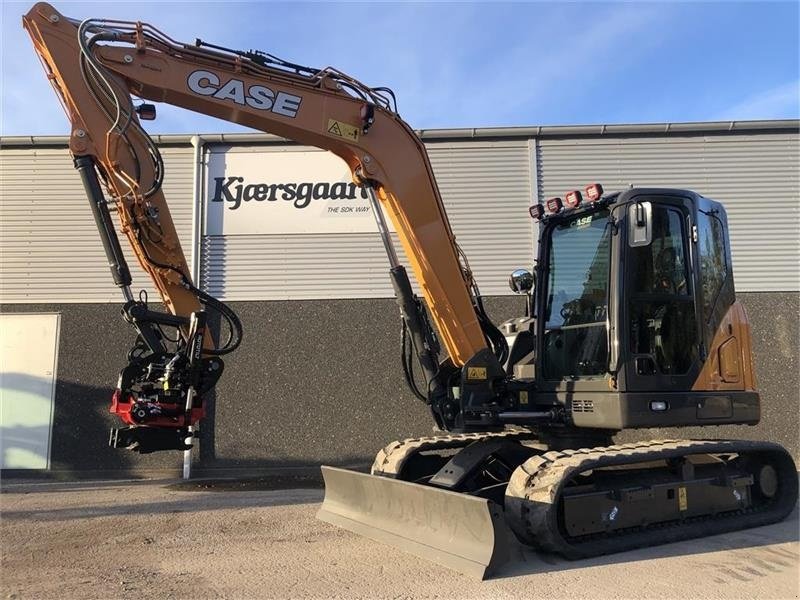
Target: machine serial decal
column 206, row 83
column 342, row 130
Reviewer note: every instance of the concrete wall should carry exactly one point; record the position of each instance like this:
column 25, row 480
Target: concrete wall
column 320, row 382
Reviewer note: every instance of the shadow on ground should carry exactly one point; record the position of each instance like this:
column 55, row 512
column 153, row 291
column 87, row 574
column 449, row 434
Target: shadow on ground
column 186, row 503
column 34, row 486
column 525, row 561
column 269, row 482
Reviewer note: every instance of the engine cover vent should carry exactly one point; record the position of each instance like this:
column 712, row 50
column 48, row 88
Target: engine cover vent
column 582, row 406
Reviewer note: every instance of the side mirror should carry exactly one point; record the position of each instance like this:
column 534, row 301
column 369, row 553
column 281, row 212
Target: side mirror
column 146, row 112
column 640, row 224
column 521, row 281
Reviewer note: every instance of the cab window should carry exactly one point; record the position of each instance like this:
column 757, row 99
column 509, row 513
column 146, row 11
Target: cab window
column 660, row 267
column 575, row 336
column 661, row 309
column 713, row 266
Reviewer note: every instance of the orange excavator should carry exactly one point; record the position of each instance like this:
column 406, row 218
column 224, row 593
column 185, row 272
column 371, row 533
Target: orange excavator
column 634, row 322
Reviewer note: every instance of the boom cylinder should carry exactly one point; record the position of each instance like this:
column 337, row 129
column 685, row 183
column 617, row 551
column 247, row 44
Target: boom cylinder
column 410, row 308
column 102, row 218
column 418, row 326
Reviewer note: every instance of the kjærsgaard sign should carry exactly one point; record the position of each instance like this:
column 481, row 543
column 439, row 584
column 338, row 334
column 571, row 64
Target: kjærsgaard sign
column 269, row 192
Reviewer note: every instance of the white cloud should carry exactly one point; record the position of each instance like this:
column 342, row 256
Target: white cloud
column 778, row 102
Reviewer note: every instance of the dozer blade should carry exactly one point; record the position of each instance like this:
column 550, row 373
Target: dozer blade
column 462, row 532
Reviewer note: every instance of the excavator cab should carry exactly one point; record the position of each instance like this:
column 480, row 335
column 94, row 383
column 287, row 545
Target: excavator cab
column 635, row 322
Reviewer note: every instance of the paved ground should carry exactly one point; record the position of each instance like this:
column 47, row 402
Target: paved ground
column 147, row 539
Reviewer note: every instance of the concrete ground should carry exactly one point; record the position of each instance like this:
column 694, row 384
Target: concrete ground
column 150, row 539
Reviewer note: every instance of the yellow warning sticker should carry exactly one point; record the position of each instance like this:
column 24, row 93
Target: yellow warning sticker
column 683, row 504
column 523, row 397
column 476, row 372
column 342, row 130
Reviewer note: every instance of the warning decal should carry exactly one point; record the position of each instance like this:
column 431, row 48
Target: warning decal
column 342, row 130
column 478, row 373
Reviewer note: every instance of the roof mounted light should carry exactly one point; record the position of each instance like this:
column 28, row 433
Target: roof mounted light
column 537, row 211
column 553, row 205
column 573, row 199
column 594, row 192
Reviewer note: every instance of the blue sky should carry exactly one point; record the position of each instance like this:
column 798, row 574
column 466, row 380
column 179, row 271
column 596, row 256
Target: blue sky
column 474, row 64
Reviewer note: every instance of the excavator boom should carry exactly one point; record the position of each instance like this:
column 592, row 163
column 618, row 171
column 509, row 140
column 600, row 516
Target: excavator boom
column 323, row 108
column 96, row 66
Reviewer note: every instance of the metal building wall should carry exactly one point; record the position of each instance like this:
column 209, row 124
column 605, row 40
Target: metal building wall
column 756, row 177
column 312, row 424
column 485, row 177
column 486, row 188
column 49, row 247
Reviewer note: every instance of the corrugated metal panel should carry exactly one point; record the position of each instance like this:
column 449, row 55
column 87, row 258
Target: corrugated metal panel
column 50, row 250
column 290, row 267
column 756, row 177
column 486, row 189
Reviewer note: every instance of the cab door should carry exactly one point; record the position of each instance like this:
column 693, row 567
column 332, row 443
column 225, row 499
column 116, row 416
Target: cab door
column 660, row 334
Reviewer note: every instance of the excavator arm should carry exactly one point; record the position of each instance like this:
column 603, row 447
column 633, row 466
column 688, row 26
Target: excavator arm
column 96, row 66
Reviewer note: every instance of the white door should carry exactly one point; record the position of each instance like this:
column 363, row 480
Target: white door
column 28, row 355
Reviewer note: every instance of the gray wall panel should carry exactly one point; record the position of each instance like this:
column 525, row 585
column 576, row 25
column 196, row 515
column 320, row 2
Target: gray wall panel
column 50, row 250
column 755, row 176
column 285, row 267
column 487, row 189
column 320, row 381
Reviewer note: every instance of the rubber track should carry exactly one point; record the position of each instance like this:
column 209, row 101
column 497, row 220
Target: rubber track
column 535, row 487
column 390, row 460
